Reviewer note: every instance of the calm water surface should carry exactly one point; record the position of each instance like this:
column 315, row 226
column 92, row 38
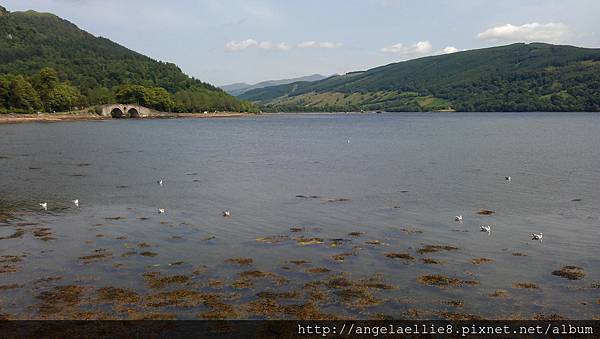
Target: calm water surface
column 398, row 178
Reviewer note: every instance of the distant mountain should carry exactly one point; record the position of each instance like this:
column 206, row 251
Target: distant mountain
column 96, row 67
column 240, row 88
column 517, row 77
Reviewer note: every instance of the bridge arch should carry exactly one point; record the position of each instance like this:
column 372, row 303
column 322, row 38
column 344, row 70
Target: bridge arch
column 124, row 111
column 117, row 113
column 133, row 113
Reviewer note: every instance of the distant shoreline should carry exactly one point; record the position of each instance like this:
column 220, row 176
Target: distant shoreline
column 86, row 116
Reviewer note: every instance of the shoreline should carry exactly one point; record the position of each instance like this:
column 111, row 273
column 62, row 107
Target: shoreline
column 10, row 118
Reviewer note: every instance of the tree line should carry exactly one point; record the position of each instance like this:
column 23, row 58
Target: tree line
column 45, row 92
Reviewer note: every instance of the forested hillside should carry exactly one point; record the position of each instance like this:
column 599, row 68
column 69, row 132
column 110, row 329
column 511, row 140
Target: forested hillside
column 517, row 77
column 47, row 63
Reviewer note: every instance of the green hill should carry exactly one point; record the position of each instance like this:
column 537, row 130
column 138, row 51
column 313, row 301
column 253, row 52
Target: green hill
column 517, row 77
column 92, row 68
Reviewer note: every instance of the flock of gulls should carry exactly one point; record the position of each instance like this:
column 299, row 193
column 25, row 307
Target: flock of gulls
column 458, row 218
column 488, row 228
column 160, row 182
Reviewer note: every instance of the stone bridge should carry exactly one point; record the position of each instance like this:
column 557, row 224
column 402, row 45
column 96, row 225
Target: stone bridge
column 124, row 111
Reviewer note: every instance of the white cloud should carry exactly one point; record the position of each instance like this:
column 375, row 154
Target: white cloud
column 324, row 44
column 550, row 32
column 449, row 49
column 234, row 46
column 419, row 49
column 307, row 44
column 282, row 46
column 328, row 44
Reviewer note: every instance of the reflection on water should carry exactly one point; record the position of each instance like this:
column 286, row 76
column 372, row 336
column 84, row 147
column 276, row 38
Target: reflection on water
column 319, row 227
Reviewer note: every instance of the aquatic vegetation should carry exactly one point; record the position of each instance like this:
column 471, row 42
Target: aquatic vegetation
column 550, row 317
column 499, row 294
column 10, row 287
column 47, row 279
column 518, row 254
column 240, row 261
column 215, row 283
column 454, row 303
column 411, row 231
column 242, row 283
column 356, row 234
column 129, row 253
column 338, row 200
column 404, row 256
column 156, row 280
column 479, row 261
column 275, row 278
column 43, row 233
column 148, row 254
column 278, row 295
column 117, row 295
column 199, row 270
column 318, row 270
column 373, row 242
column 143, row 245
column 100, row 254
column 485, row 212
column 115, row 218
column 299, row 262
column 59, row 298
column 436, row 248
column 570, row 272
column 443, row 281
column 455, row 316
column 296, row 229
column 18, row 234
column 430, row 261
column 273, row 239
column 308, row 241
column 5, row 217
column 342, row 256
column 526, row 285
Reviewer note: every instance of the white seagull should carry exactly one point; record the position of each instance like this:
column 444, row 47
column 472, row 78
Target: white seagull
column 486, row 228
column 160, row 182
column 76, row 202
column 226, row 214
column 458, row 218
column 44, row 206
column 161, row 211
column 509, row 179
column 536, row 236
column 348, row 140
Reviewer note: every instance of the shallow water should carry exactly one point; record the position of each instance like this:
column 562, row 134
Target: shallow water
column 398, row 178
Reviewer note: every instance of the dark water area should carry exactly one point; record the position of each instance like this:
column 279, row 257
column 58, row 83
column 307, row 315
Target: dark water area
column 332, row 216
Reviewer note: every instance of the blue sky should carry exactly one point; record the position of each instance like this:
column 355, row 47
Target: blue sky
column 226, row 41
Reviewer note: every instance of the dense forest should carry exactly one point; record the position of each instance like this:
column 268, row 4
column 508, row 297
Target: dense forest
column 49, row 64
column 517, row 77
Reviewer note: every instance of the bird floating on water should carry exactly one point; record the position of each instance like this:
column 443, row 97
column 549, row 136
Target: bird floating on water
column 44, row 206
column 458, row 218
column 537, row 236
column 486, row 228
column 76, row 202
column 160, row 181
column 226, row 214
column 348, row 141
column 508, row 178
column 161, row 211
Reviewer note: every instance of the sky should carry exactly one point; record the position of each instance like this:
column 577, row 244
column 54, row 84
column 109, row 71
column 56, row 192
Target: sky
column 229, row 41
